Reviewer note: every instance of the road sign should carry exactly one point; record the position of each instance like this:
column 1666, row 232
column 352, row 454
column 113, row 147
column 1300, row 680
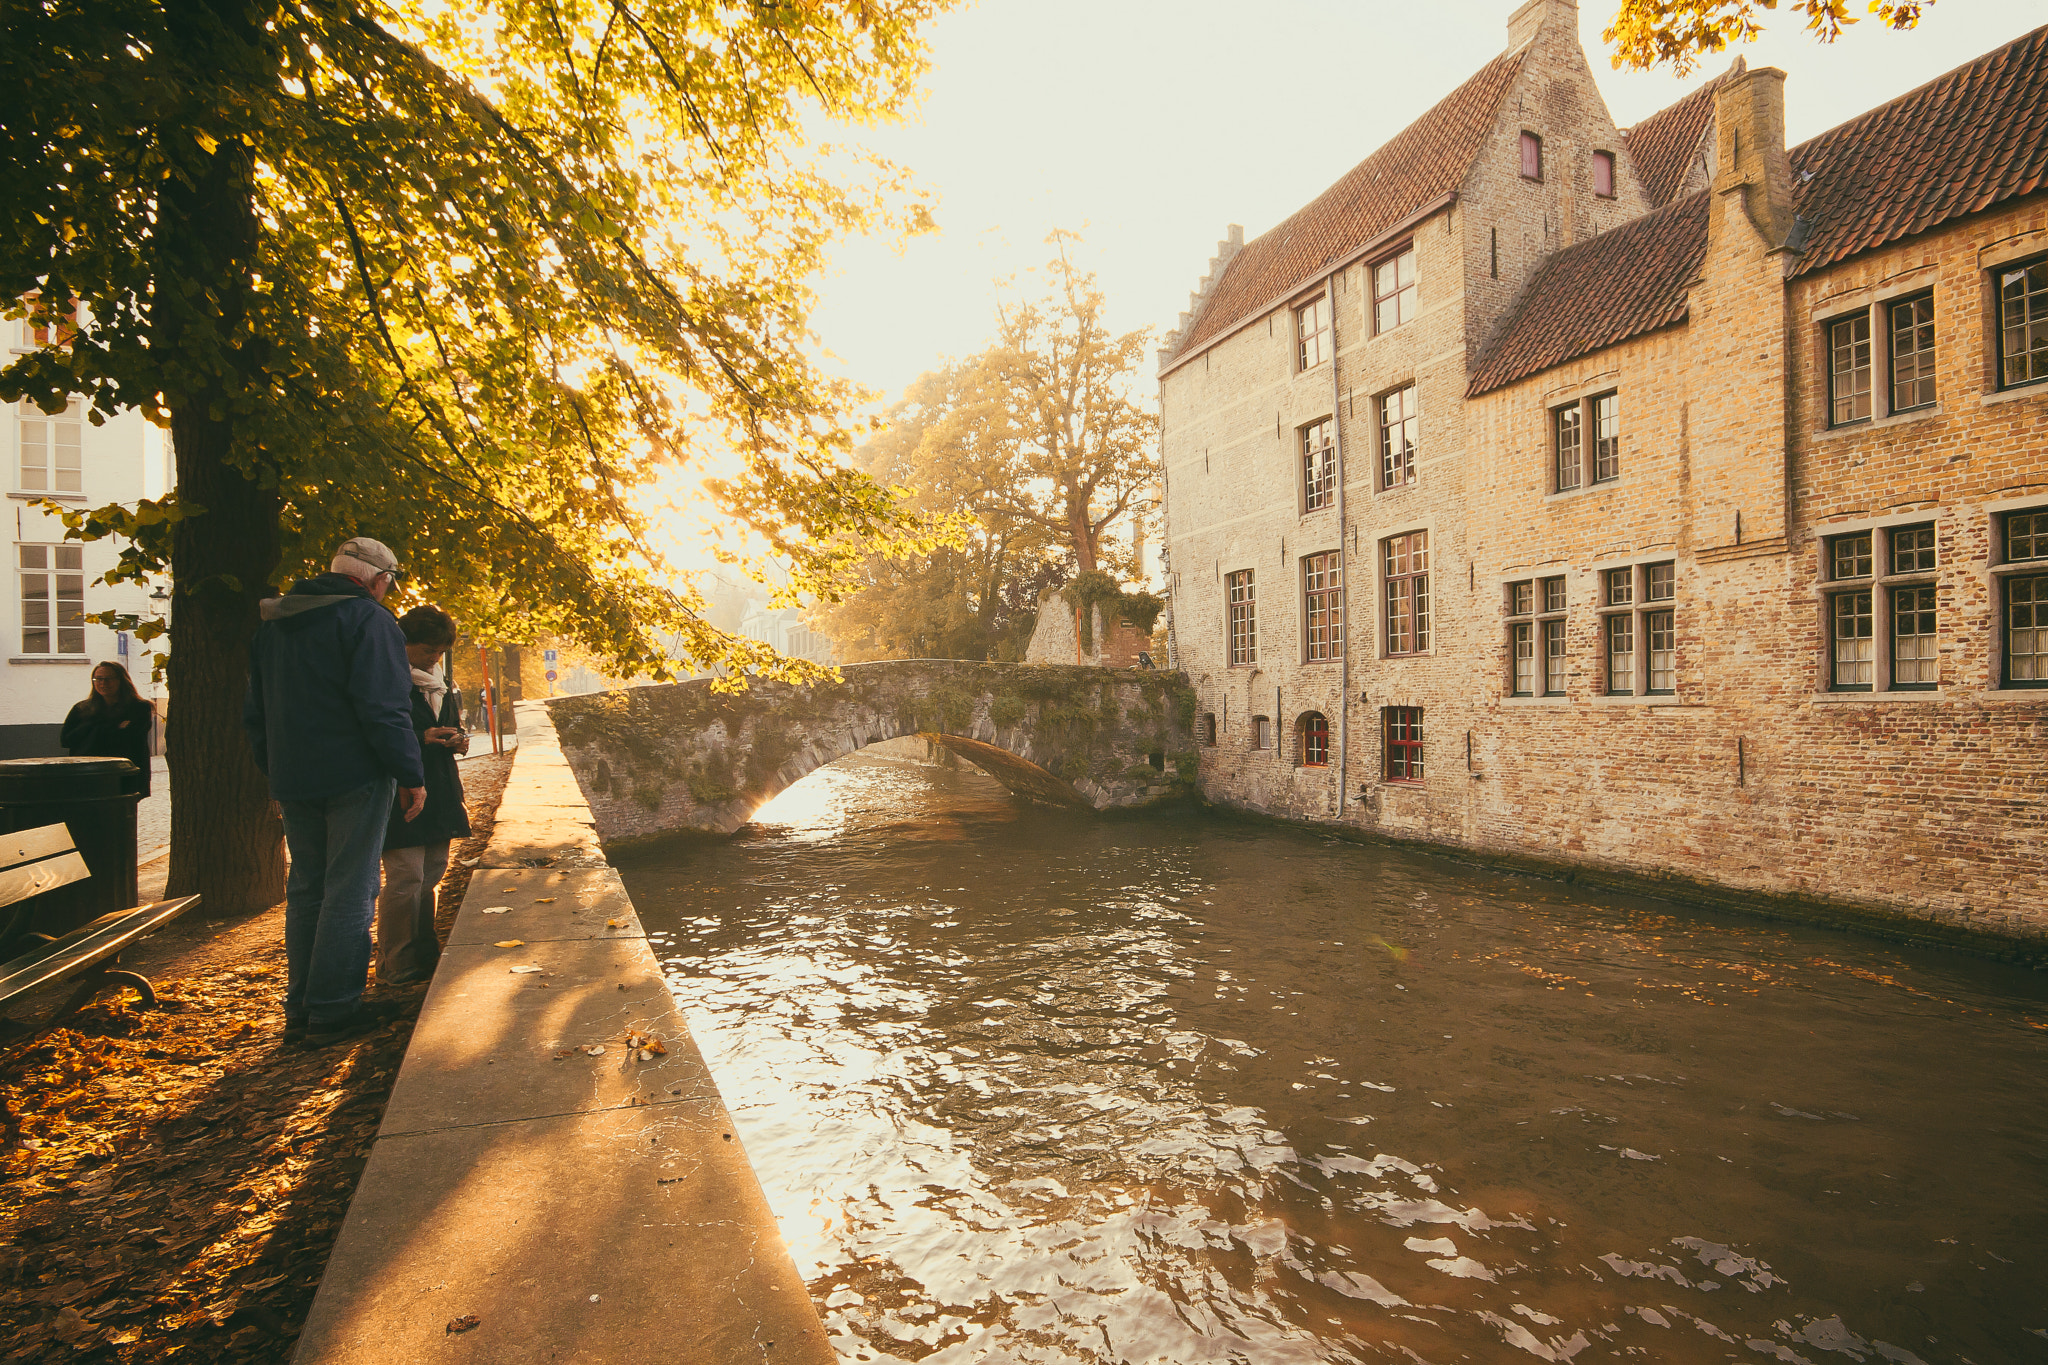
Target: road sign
column 549, row 655
column 551, row 675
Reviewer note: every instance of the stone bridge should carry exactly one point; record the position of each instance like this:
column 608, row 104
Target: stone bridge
column 680, row 756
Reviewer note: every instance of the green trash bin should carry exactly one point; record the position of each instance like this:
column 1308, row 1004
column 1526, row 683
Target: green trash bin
column 95, row 800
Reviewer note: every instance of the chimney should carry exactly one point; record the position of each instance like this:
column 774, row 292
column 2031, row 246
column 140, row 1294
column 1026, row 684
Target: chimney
column 1749, row 141
column 1737, row 313
column 1531, row 18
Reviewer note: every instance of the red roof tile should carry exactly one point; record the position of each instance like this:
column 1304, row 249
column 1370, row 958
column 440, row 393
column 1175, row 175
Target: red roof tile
column 1424, row 161
column 1960, row 144
column 1619, row 285
column 1666, row 145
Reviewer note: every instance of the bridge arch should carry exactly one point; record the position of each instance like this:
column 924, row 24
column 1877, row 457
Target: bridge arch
column 681, row 756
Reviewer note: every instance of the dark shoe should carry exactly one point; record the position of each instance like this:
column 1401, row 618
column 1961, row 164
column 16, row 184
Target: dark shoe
column 294, row 1032
column 352, row 1025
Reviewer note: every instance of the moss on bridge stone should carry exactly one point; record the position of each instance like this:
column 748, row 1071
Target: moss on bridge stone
column 655, row 759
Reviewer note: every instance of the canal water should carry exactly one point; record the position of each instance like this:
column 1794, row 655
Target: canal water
column 1027, row 1085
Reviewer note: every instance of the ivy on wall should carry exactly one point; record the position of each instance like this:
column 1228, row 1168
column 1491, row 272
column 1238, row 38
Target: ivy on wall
column 1098, row 589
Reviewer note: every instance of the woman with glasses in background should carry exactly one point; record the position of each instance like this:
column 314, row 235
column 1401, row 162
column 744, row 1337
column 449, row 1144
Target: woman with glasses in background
column 114, row 722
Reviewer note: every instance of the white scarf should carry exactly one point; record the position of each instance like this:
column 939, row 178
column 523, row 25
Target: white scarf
column 434, row 685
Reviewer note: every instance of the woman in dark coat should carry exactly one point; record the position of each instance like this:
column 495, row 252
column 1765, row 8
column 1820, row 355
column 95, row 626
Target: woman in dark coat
column 114, row 722
column 416, row 851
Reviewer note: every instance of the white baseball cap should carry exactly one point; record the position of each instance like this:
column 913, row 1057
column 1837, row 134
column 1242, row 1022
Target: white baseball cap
column 373, row 555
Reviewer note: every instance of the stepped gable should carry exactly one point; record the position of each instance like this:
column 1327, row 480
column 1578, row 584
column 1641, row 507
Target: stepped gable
column 1957, row 145
column 1666, row 145
column 1424, row 161
column 1619, row 285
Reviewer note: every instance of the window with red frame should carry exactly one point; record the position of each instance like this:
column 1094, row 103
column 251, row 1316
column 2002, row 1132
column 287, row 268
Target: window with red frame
column 1315, row 740
column 65, row 325
column 1532, row 157
column 1603, row 174
column 1404, row 743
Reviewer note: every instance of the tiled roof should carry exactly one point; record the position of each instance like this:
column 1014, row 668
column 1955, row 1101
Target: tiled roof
column 1959, row 144
column 1619, row 285
column 1424, row 161
column 1963, row 142
column 1665, row 146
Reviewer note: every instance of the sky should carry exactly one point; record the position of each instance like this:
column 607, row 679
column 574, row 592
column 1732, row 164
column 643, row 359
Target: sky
column 1149, row 125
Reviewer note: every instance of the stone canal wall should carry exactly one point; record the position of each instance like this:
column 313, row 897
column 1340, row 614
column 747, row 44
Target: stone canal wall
column 575, row 1198
column 655, row 760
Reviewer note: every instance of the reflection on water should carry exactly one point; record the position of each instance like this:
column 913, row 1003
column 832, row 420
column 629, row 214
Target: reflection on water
column 1024, row 1085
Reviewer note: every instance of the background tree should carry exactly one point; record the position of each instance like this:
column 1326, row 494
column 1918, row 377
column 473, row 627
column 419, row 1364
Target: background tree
column 1036, row 446
column 1064, row 441
column 974, row 600
column 467, row 277
column 1649, row 33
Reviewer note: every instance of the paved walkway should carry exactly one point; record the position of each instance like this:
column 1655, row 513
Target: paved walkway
column 539, row 1191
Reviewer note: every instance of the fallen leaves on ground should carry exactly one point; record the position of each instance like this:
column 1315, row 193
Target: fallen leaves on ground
column 180, row 1175
column 188, row 1176
column 646, row 1046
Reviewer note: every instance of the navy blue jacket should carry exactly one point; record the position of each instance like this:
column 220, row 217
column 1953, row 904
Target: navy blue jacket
column 329, row 707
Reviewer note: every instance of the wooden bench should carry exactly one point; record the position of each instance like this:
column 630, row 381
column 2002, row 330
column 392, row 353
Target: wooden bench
column 33, row 861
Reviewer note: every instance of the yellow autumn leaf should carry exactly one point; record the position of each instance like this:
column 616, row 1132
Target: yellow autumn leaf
column 611, row 924
column 547, row 900
column 511, row 943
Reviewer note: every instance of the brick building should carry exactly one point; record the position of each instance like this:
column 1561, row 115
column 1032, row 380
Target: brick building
column 1662, row 502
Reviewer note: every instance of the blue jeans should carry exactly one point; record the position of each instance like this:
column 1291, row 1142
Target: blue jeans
column 329, row 898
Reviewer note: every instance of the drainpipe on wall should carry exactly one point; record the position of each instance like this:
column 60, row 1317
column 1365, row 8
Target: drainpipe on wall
column 1344, row 584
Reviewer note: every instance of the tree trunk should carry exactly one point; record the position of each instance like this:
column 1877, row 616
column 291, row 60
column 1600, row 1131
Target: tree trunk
column 226, row 841
column 226, row 844
column 1082, row 535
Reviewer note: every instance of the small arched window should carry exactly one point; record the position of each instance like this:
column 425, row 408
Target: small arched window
column 1314, row 728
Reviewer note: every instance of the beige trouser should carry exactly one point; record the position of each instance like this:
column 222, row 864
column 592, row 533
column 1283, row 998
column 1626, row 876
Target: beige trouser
column 407, row 948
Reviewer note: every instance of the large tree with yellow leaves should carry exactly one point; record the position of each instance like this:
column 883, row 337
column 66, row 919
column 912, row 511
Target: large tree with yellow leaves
column 466, row 276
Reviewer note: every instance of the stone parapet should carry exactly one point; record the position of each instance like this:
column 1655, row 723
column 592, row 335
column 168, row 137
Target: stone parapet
column 572, row 1198
column 683, row 756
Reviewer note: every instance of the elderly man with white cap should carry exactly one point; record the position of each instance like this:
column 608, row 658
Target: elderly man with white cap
column 329, row 715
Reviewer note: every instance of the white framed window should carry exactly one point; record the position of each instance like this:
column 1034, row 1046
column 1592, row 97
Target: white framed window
column 1241, row 595
column 1406, row 558
column 1400, row 432
column 49, row 447
column 52, row 584
column 1586, row 442
column 1393, row 291
column 1322, row 582
column 1319, row 464
column 1311, row 334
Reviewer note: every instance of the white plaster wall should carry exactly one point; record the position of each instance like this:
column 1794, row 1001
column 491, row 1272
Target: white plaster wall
column 124, row 460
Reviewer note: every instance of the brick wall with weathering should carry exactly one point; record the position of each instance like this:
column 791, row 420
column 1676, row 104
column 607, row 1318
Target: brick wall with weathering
column 1755, row 778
